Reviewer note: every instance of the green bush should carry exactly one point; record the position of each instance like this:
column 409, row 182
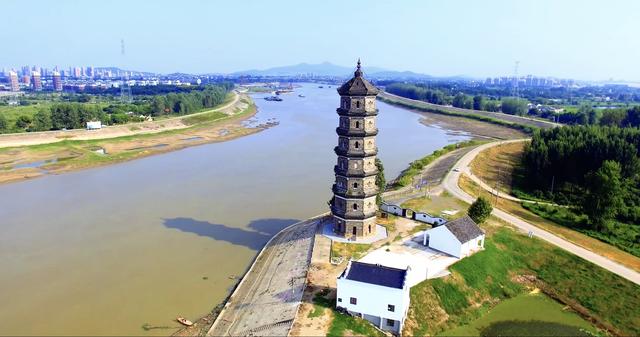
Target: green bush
column 480, row 210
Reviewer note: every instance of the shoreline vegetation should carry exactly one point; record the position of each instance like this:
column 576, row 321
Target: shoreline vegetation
column 415, row 167
column 443, row 110
column 215, row 125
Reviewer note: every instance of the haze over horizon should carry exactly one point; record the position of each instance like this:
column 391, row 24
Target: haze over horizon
column 586, row 40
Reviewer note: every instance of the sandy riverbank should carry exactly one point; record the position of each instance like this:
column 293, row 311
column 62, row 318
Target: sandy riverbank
column 93, row 149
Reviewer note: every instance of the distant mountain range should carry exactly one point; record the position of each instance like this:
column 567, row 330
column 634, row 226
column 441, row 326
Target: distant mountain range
column 329, row 69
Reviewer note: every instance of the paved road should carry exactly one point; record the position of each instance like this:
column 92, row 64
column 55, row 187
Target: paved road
column 496, row 115
column 467, row 170
column 432, row 174
column 266, row 300
column 450, row 183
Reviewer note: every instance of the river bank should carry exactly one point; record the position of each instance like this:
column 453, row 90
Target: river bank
column 119, row 245
column 91, row 150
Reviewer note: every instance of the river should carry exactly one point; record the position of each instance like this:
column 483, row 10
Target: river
column 123, row 249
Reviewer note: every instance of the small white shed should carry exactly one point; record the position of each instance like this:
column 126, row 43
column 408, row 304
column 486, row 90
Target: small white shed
column 94, row 125
column 461, row 237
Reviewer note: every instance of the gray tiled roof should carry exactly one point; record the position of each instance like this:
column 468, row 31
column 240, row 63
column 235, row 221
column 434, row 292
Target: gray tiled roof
column 464, row 229
column 376, row 274
column 358, row 86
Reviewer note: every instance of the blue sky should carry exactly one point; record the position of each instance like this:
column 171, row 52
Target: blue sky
column 587, row 39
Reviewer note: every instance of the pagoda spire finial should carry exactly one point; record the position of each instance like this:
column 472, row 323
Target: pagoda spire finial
column 358, row 72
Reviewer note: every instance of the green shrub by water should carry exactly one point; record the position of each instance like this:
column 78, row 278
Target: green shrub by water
column 416, row 166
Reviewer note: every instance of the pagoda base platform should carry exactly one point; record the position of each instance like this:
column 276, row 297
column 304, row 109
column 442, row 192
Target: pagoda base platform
column 327, row 230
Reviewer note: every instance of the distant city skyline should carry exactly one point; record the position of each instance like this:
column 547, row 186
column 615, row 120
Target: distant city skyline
column 583, row 40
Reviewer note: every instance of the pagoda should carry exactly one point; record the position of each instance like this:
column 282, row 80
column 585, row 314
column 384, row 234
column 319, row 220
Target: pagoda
column 354, row 191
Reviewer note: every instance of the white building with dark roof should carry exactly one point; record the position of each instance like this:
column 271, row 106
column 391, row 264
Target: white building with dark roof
column 461, row 237
column 376, row 293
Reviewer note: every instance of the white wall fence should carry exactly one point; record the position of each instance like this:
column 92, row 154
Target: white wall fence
column 411, row 214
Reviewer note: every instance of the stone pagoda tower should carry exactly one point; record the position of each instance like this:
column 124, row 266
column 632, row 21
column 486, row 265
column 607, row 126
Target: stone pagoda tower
column 354, row 203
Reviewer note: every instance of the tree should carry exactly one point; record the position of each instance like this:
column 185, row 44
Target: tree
column 633, row 117
column 604, row 197
column 613, row 117
column 514, row 106
column 42, row 120
column 478, row 102
column 491, row 105
column 23, row 122
column 458, row 100
column 480, row 210
column 590, row 114
column 158, row 105
column 381, row 182
column 4, row 124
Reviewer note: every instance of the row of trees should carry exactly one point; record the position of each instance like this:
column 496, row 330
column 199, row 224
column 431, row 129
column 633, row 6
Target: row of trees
column 508, row 105
column 587, row 115
column 75, row 115
column 183, row 103
column 595, row 167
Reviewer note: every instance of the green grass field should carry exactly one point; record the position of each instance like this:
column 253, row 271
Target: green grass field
column 478, row 283
column 12, row 112
column 623, row 236
column 524, row 308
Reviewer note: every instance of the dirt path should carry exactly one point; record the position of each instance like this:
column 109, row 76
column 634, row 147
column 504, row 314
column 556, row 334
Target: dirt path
column 48, row 137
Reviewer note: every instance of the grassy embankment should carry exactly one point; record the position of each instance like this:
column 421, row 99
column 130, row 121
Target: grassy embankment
column 415, row 167
column 509, row 266
column 76, row 154
column 444, row 111
column 495, row 167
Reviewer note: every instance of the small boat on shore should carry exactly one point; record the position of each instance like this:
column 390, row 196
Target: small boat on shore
column 184, row 321
column 273, row 98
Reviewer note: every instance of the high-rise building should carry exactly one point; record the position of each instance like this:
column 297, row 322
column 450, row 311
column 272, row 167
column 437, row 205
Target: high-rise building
column 13, row 81
column 57, row 81
column 77, row 72
column 354, row 193
column 26, row 79
column 36, row 81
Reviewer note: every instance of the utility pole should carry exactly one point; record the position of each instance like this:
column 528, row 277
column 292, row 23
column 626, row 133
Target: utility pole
column 516, row 93
column 125, row 89
column 553, row 180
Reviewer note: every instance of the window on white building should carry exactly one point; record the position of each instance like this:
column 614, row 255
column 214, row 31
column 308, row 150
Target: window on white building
column 390, row 322
column 353, row 300
column 391, row 307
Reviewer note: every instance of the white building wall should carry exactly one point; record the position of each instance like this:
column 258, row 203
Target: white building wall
column 393, row 209
column 373, row 299
column 440, row 238
column 424, row 217
column 472, row 246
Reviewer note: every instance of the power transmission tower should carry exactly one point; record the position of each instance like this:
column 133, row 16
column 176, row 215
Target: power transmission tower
column 125, row 89
column 516, row 81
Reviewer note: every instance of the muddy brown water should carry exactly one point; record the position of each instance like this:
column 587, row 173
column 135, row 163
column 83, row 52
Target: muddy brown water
column 124, row 249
